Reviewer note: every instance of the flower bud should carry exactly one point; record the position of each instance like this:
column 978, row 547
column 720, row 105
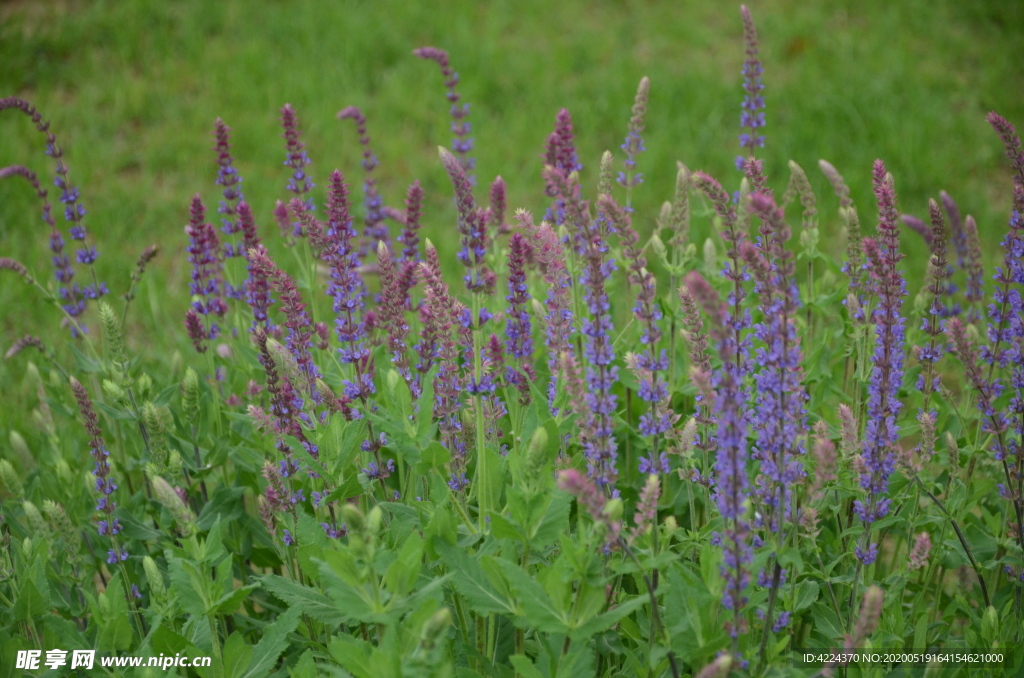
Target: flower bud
column 35, row 520
column 20, row 448
column 613, row 510
column 353, row 517
column 182, row 515
column 113, row 335
column 62, row 525
column 112, row 390
column 435, row 626
column 537, row 451
column 143, row 385
column 604, row 184
column 190, row 395
column 157, row 590
column 10, row 481
column 710, row 255
column 375, row 519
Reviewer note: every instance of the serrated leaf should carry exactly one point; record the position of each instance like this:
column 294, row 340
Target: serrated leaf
column 606, row 620
column 471, row 581
column 236, row 656
column 274, row 641
column 229, row 602
column 524, row 667
column 304, row 599
column 806, row 593
column 535, row 607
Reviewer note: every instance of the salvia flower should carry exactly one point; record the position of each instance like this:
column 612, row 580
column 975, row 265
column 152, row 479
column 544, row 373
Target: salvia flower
column 854, row 266
column 228, row 177
column 462, row 143
column 938, row 270
column 105, row 482
column 256, row 286
column 560, row 155
column 752, row 119
column 780, row 402
column 392, row 315
column 442, row 317
column 598, row 507
column 731, row 485
column 299, row 183
column 375, row 229
column 518, row 328
column 596, row 427
column 409, row 237
column 881, row 435
column 472, row 225
column 558, row 328
column 72, row 295
column 975, row 293
column 634, row 143
column 919, row 554
column 204, row 253
column 297, row 320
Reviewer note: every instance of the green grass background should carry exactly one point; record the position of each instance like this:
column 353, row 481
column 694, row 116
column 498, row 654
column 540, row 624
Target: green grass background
column 132, row 90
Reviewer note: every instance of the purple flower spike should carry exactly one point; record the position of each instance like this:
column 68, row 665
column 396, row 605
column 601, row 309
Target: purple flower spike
column 462, row 143
column 472, row 224
column 634, row 143
column 752, row 119
column 518, row 328
column 205, row 255
column 73, row 296
column 227, row 176
column 300, row 184
column 560, row 155
column 881, row 435
column 375, row 229
column 550, row 258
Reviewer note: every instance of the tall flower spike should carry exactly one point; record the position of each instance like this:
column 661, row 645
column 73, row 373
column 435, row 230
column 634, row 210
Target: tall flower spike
column 938, row 271
column 73, row 296
column 297, row 320
column 559, row 155
column 558, row 328
column 205, row 255
column 975, row 295
column 442, row 317
column 780, row 413
column 299, row 183
column 853, row 267
column 105, row 482
column 518, row 328
column 462, row 143
column 1006, row 325
column 881, row 435
column 472, row 226
column 392, row 315
column 634, row 143
column 227, row 176
column 256, row 286
column 375, row 229
column 752, row 119
column 497, row 206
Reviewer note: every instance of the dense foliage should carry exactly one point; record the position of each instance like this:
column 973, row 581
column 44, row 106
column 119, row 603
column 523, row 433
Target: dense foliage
column 586, row 452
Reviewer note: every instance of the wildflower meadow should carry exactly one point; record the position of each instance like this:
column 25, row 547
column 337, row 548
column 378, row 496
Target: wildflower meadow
column 543, row 439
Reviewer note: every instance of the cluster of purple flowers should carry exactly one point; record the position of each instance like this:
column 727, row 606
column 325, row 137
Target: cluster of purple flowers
column 560, row 155
column 228, row 177
column 462, row 143
column 881, row 435
column 299, row 183
column 105, row 483
column 204, row 253
column 518, row 328
column 752, row 119
column 375, row 229
column 73, row 296
column 634, row 143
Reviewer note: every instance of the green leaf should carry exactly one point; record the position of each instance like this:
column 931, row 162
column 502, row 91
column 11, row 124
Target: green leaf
column 304, row 599
column 229, row 602
column 434, row 455
column 524, row 667
column 806, row 594
column 30, row 602
column 236, row 655
column 554, row 522
column 471, row 581
column 355, row 655
column 605, row 621
column 274, row 641
column 116, row 631
column 225, row 504
column 537, row 610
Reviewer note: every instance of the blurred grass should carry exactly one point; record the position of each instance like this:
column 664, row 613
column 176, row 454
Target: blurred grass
column 132, row 90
